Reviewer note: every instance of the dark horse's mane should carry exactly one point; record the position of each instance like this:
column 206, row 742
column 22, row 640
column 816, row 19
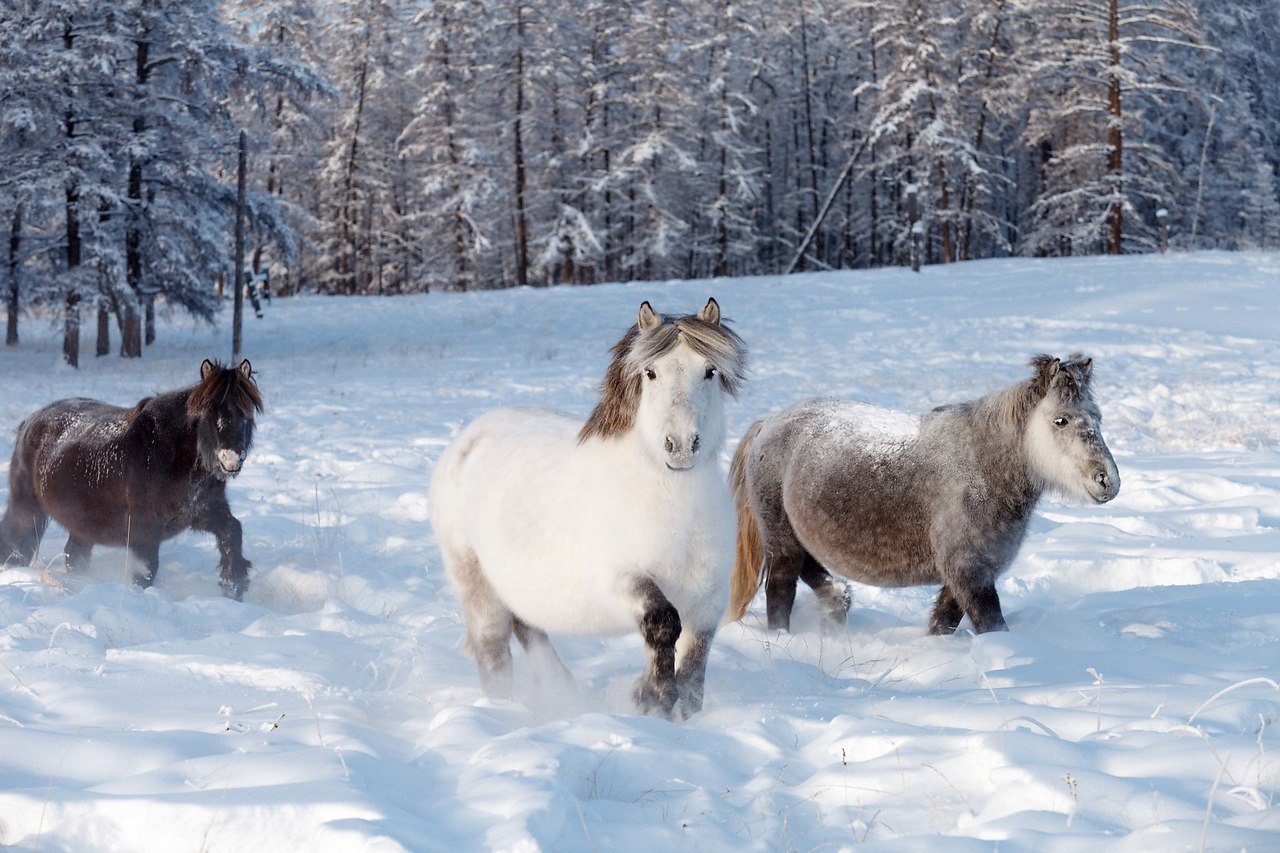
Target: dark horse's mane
column 221, row 384
column 615, row 412
column 224, row 385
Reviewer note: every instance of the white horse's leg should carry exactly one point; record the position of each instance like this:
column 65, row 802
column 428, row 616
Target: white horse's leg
column 542, row 654
column 691, row 669
column 489, row 623
column 655, row 692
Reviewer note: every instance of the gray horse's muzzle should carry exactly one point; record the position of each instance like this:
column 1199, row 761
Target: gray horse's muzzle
column 1105, row 483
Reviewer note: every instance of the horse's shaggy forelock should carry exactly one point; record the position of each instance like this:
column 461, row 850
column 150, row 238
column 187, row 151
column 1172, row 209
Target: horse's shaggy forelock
column 1011, row 406
column 225, row 386
column 620, row 392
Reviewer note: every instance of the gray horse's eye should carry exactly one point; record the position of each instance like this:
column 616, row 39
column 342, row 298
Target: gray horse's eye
column 1060, row 421
column 648, row 371
column 711, row 371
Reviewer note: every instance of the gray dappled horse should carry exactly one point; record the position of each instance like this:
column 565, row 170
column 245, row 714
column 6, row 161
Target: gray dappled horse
column 893, row 500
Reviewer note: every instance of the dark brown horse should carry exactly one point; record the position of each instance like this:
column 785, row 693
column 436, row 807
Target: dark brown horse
column 894, row 500
column 133, row 477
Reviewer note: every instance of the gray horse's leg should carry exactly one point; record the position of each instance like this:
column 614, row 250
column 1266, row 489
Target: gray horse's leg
column 488, row 621
column 784, row 556
column 691, row 670
column 946, row 613
column 833, row 596
column 659, row 622
column 974, row 595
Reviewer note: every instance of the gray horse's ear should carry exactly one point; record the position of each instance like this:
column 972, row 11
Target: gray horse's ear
column 710, row 312
column 648, row 317
column 205, row 369
column 246, row 369
column 1085, row 365
column 1046, row 367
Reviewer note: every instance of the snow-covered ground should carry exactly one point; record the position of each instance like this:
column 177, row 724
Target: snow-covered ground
column 1132, row 706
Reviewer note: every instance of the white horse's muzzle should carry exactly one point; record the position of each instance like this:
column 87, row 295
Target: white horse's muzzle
column 681, row 454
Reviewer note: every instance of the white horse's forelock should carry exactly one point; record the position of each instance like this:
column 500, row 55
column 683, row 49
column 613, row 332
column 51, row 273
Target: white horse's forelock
column 718, row 344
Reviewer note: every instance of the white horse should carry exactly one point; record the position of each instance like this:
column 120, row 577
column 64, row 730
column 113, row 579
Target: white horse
column 624, row 522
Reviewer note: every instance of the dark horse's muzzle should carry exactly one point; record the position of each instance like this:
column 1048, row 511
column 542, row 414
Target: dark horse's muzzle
column 230, row 462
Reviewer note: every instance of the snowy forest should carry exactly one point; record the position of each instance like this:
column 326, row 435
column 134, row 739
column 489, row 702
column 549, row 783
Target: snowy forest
column 402, row 146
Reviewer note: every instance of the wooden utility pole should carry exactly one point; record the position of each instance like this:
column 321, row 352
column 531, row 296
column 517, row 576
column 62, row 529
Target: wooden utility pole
column 826, row 208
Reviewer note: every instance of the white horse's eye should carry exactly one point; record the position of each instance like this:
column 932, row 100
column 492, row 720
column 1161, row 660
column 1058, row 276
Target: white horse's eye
column 648, row 371
column 711, row 371
column 1060, row 421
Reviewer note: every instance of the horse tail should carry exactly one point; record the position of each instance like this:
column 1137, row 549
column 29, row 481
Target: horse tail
column 748, row 558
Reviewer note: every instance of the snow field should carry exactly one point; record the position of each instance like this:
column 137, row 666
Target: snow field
column 1132, row 706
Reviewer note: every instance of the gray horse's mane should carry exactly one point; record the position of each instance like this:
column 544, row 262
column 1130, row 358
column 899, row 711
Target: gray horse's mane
column 1009, row 407
column 620, row 392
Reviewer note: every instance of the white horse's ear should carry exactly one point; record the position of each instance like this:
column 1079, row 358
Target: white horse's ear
column 648, row 317
column 246, row 369
column 205, row 369
column 710, row 312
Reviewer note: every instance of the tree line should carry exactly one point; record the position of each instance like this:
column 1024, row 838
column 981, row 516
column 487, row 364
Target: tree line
column 417, row 146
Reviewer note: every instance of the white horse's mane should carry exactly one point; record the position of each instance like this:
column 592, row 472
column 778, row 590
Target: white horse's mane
column 620, row 392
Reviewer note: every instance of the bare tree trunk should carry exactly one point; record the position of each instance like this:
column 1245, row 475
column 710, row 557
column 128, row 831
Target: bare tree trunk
column 130, row 322
column 521, row 224
column 877, row 257
column 968, row 192
column 1115, row 135
column 818, row 250
column 345, row 256
column 106, row 304
column 460, row 271
column 104, row 331
column 71, row 308
column 237, row 298
column 15, row 247
column 71, row 319
column 944, row 202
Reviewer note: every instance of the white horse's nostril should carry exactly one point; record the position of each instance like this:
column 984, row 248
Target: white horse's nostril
column 670, row 445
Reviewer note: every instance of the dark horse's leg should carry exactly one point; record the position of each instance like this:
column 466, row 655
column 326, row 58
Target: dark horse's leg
column 215, row 517
column 833, row 597
column 691, row 674
column 24, row 521
column 146, row 549
column 655, row 692
column 78, row 552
